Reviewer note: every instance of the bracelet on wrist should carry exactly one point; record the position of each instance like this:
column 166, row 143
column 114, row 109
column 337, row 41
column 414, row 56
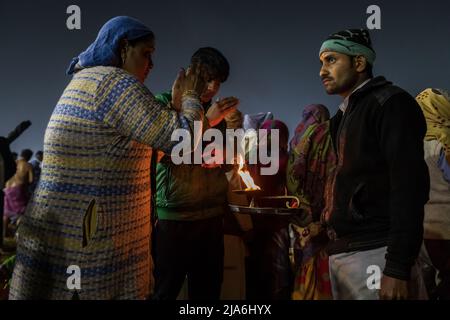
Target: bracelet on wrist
column 190, row 93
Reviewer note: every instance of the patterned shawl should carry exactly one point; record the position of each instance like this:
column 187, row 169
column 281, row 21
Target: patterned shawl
column 311, row 162
column 435, row 104
column 314, row 113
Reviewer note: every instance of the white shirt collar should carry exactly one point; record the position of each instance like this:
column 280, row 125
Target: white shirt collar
column 343, row 106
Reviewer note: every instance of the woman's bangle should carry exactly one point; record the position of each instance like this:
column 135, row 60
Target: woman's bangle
column 190, row 93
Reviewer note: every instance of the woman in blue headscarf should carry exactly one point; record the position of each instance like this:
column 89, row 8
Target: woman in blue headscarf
column 86, row 232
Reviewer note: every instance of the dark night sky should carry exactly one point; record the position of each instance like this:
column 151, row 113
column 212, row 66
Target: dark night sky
column 272, row 47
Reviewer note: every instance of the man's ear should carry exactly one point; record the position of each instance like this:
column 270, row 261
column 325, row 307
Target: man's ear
column 360, row 63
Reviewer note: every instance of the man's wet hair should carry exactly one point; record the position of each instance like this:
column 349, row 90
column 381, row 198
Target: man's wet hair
column 26, row 154
column 216, row 64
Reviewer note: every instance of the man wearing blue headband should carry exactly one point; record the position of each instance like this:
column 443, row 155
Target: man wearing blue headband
column 375, row 201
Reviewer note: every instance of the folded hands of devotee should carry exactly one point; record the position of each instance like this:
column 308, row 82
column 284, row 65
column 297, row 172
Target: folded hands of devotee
column 220, row 109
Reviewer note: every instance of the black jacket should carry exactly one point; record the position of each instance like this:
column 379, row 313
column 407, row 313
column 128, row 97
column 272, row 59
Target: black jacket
column 382, row 182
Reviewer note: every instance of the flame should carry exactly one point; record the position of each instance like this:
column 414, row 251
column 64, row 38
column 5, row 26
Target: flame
column 246, row 177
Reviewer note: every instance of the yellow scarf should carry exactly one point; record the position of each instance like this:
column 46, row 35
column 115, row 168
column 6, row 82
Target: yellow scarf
column 435, row 104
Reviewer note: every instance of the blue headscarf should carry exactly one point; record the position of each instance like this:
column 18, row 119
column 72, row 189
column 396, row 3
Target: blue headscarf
column 104, row 50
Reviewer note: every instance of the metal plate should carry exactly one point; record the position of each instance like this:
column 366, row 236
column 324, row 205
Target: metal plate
column 248, row 192
column 266, row 211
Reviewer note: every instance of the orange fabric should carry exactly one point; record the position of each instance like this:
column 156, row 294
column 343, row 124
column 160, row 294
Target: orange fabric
column 313, row 281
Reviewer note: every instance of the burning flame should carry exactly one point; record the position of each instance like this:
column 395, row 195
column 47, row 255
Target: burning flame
column 246, row 177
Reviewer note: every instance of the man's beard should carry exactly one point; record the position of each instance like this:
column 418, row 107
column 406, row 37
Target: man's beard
column 345, row 86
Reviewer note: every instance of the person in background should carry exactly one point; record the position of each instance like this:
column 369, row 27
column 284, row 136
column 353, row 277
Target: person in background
column 91, row 206
column 8, row 164
column 16, row 190
column 7, row 170
column 191, row 201
column 312, row 162
column 36, row 164
column 269, row 272
column 376, row 197
column 273, row 185
column 312, row 114
column 435, row 104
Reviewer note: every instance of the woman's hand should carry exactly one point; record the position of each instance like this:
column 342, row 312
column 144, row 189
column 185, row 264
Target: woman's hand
column 195, row 79
column 192, row 81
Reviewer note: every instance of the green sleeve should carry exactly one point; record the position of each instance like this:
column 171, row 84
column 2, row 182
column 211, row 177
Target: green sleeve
column 164, row 97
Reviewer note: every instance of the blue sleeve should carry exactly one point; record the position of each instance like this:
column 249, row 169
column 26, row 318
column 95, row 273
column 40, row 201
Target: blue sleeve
column 126, row 105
